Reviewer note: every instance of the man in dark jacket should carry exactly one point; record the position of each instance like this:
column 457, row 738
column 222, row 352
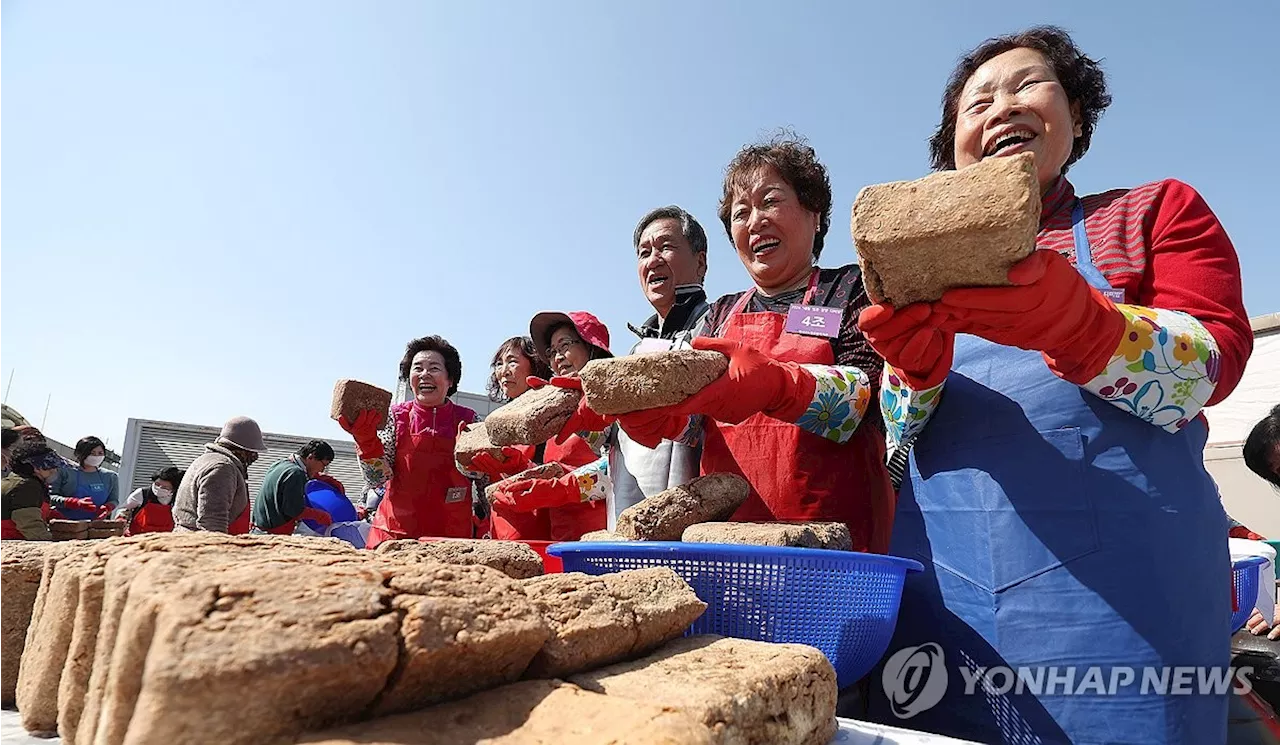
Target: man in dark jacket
column 671, row 261
column 282, row 499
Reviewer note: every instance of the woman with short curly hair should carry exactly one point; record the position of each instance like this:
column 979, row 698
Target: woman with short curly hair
column 412, row 455
column 791, row 416
column 1058, row 496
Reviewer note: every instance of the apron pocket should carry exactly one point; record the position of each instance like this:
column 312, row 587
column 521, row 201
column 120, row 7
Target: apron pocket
column 1000, row 510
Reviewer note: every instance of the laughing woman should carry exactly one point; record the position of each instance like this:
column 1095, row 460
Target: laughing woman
column 1058, row 495
column 413, row 454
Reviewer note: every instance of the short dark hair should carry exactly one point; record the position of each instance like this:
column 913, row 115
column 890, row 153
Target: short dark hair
column 689, row 226
column 523, row 345
column 1261, row 445
column 9, row 436
column 792, row 157
column 452, row 362
column 1081, row 77
column 170, row 474
column 86, row 446
column 318, row 449
column 22, row 455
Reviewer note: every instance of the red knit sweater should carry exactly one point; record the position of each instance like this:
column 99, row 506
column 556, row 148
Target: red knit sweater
column 1165, row 248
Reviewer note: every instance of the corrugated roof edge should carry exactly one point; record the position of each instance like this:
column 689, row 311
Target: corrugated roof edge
column 1268, row 323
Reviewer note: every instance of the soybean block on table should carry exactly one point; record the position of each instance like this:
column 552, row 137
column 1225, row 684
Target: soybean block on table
column 350, row 397
column 21, row 563
column 534, row 417
column 532, row 712
column 964, row 228
column 598, row 620
column 551, row 470
column 745, row 691
column 621, row 385
column 303, row 647
column 513, row 558
column 602, row 536
column 665, row 515
column 833, row 536
column 473, row 440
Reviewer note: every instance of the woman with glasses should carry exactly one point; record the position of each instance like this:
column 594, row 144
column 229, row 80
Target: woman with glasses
column 412, row 455
column 575, row 501
column 513, row 364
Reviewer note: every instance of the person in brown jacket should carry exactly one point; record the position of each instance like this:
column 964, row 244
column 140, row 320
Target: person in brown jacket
column 214, row 493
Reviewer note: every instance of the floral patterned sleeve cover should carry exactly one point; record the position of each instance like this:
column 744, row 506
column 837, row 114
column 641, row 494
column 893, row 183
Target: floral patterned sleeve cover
column 840, row 399
column 1165, row 369
column 905, row 411
column 594, row 483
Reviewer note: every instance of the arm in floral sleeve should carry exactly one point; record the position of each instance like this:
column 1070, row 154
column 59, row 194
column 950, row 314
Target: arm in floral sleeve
column 377, row 466
column 1165, row 369
column 594, row 483
column 840, row 398
column 905, row 411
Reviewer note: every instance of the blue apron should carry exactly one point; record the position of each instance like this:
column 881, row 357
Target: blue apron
column 1057, row 530
column 95, row 489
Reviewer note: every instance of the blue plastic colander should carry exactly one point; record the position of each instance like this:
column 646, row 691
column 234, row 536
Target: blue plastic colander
column 842, row 602
column 1244, row 580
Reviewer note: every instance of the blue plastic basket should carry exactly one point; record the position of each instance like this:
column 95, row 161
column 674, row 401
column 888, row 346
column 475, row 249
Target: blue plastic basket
column 842, row 602
column 1244, row 580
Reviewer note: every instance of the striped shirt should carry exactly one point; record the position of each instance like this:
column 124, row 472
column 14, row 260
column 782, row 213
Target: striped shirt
column 1165, row 248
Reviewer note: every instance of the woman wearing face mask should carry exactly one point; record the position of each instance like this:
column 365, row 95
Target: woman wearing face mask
column 87, row 492
column 575, row 501
column 150, row 509
column 513, row 364
column 1058, row 496
column 25, row 492
column 412, row 456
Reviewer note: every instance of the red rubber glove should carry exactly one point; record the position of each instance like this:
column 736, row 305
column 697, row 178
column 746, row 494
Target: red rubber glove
column 582, row 420
column 1050, row 309
column 317, row 515
column 910, row 340
column 365, row 431
column 80, row 503
column 362, row 512
column 526, row 495
column 513, row 461
column 651, row 426
column 104, row 512
column 755, row 383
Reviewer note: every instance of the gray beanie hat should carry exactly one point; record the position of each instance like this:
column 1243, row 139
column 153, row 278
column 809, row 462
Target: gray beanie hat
column 244, row 433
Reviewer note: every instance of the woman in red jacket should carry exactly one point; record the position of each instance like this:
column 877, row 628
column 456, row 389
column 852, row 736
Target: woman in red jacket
column 513, row 364
column 1058, row 496
column 575, row 501
column 412, row 455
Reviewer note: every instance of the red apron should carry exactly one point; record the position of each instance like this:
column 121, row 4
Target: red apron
column 240, row 525
column 510, row 525
column 794, row 474
column 9, row 531
column 152, row 517
column 427, row 495
column 570, row 521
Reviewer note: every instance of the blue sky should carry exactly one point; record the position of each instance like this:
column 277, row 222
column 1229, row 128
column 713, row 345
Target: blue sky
column 217, row 208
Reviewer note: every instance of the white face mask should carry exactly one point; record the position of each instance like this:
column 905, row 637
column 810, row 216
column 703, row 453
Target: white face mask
column 162, row 494
column 94, row 460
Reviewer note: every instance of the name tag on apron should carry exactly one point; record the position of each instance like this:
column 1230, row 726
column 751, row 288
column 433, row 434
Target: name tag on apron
column 455, row 494
column 1114, row 295
column 814, row 320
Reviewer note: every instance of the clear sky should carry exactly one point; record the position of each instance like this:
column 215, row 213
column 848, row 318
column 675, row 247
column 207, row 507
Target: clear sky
column 217, row 208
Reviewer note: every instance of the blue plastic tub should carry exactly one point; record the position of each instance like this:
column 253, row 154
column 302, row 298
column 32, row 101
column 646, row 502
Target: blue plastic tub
column 1244, row 580
column 842, row 602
